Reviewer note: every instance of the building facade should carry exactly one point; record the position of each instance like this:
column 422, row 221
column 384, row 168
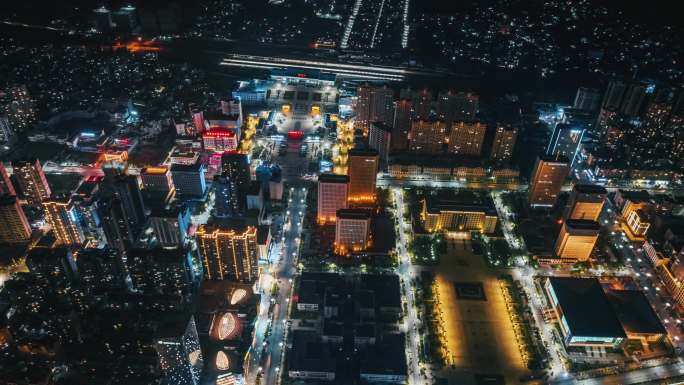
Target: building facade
column 577, row 239
column 362, row 171
column 352, row 231
column 547, row 179
column 333, row 193
column 229, row 253
column 31, row 179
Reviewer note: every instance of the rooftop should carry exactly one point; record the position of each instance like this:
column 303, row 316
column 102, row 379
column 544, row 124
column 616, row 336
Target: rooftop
column 635, row 312
column 460, row 201
column 353, row 214
column 589, row 189
column 582, row 224
column 586, row 308
column 333, row 178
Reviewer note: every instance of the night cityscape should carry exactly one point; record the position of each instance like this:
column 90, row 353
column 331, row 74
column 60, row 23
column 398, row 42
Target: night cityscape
column 344, row 192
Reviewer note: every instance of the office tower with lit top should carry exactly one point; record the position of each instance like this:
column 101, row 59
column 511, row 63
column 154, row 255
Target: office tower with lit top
column 235, row 169
column 178, row 347
column 62, row 216
column 585, row 202
column 14, row 227
column 374, row 104
column 379, row 139
column 352, row 230
column 332, row 196
column 547, row 179
column 466, row 138
column 401, row 124
column 6, row 186
column 229, row 253
column 504, row 143
column 577, row 239
column 427, row 137
column 157, row 181
column 31, row 180
column 362, row 171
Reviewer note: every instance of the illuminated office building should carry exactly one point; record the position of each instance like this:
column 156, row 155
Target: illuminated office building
column 504, row 143
column 157, row 180
column 332, row 196
column 566, row 141
column 441, row 214
column 547, row 179
column 189, row 180
column 427, row 136
column 466, row 138
column 362, row 171
column 31, row 180
column 178, row 347
column 585, row 202
column 229, row 253
column 352, row 230
column 577, row 239
column 14, row 227
column 62, row 216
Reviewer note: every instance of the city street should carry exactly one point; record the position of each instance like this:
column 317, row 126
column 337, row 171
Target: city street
column 281, row 271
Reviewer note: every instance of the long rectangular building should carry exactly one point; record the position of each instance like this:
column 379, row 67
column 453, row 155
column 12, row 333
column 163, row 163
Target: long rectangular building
column 455, row 214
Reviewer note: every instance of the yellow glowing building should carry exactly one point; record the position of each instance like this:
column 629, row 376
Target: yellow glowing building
column 443, row 214
column 229, row 253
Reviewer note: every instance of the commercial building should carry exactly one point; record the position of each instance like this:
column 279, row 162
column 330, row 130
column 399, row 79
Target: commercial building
column 157, row 180
column 332, row 195
column 170, row 226
column 466, row 138
column 566, row 141
column 362, row 170
column 31, row 180
column 547, row 180
column 189, row 180
column 178, row 347
column 629, row 200
column 15, row 227
column 352, row 230
column 585, row 315
column 401, row 124
column 220, row 139
column 637, row 223
column 229, row 253
column 61, row 215
column 638, row 319
column 459, row 213
column 577, row 239
column 427, row 136
column 127, row 189
column 504, row 143
column 374, row 104
column 380, row 139
column 585, row 202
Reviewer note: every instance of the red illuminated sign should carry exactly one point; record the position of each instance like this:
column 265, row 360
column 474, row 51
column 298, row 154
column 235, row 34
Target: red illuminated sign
column 295, row 135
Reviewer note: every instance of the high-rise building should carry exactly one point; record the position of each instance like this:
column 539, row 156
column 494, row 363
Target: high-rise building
column 6, row 132
column 229, row 253
column 235, row 169
column 332, row 196
column 587, row 99
column 62, row 216
column 422, row 104
column 547, row 179
column 159, row 270
column 54, row 264
column 585, row 202
column 14, row 227
column 634, row 99
column 127, row 190
column 101, row 268
column 379, row 139
column 352, row 230
column 656, row 118
column 362, row 171
column 612, row 99
column 197, row 118
column 457, row 106
column 577, row 239
column 427, row 136
column 170, row 226
column 6, row 186
column 374, row 104
column 178, row 347
column 157, row 180
column 115, row 224
column 189, row 180
column 566, row 141
column 403, row 111
column 21, row 112
column 31, row 180
column 103, row 19
column 504, row 143
column 466, row 138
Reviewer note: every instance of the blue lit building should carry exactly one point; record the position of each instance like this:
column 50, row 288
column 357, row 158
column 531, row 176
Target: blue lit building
column 566, row 141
